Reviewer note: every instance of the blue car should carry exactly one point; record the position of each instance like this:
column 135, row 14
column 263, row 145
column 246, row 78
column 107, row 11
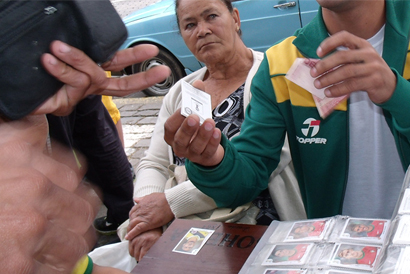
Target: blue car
column 263, row 22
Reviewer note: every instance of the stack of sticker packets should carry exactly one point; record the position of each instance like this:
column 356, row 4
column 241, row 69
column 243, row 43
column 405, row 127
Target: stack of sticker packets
column 396, row 255
column 339, row 244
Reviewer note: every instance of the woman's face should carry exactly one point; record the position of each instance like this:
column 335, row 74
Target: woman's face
column 208, row 29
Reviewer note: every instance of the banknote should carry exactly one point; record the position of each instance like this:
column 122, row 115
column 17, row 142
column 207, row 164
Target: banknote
column 327, row 105
column 299, row 73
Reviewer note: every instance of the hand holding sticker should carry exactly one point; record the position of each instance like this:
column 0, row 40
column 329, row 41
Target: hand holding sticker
column 195, row 101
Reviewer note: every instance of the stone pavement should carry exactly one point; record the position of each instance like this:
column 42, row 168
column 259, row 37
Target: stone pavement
column 138, row 117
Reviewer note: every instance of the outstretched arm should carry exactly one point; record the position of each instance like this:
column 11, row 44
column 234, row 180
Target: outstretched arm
column 82, row 76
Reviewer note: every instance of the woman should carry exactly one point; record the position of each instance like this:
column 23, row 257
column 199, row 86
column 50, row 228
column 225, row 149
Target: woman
column 211, row 30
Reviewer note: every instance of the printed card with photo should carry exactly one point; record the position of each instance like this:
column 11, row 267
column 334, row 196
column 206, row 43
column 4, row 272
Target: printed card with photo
column 308, row 230
column 403, row 262
column 284, row 271
column 365, row 229
column 195, row 101
column 342, row 272
column 404, row 207
column 288, row 254
column 355, row 256
column 402, row 234
column 193, row 241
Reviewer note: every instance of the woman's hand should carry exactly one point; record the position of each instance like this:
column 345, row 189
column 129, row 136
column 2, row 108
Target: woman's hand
column 140, row 245
column 150, row 212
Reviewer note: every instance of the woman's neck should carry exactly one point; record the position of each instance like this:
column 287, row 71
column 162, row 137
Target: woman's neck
column 224, row 78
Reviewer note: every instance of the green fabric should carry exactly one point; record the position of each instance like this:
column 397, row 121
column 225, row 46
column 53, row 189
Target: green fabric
column 321, row 169
column 90, row 266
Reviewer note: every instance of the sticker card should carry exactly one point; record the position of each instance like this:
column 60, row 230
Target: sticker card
column 342, row 272
column 405, row 203
column 308, row 230
column 193, row 241
column 403, row 262
column 402, row 234
column 284, row 271
column 354, row 256
column 288, row 254
column 365, row 229
column 195, row 101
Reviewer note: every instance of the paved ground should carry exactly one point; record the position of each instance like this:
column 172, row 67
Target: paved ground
column 138, row 117
column 125, row 7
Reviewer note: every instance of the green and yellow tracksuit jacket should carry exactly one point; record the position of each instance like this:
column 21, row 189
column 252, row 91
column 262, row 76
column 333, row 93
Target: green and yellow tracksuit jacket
column 320, row 148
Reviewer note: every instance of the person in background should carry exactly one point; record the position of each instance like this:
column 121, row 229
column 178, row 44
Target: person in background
column 90, row 130
column 358, row 169
column 211, row 30
column 115, row 115
column 114, row 112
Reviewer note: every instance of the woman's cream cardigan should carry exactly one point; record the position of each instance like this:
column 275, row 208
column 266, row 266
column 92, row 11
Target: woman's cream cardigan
column 185, row 199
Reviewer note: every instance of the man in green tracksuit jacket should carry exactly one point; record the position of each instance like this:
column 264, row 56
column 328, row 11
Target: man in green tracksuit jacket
column 352, row 162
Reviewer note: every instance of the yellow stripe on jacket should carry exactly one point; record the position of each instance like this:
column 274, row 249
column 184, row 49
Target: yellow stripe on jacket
column 280, row 60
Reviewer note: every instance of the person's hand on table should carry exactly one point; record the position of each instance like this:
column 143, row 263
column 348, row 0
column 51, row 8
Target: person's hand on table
column 83, row 77
column 139, row 245
column 150, row 212
column 359, row 68
column 45, row 213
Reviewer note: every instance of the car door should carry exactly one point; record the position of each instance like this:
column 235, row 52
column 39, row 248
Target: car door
column 308, row 10
column 264, row 22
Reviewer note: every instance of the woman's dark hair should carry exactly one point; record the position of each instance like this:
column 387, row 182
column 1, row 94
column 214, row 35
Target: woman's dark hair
column 227, row 3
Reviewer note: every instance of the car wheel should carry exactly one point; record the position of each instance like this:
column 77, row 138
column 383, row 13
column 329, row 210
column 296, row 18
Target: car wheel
column 163, row 58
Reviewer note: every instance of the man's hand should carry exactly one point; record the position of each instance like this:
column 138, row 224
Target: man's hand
column 360, row 68
column 140, row 245
column 150, row 212
column 45, row 214
column 83, row 77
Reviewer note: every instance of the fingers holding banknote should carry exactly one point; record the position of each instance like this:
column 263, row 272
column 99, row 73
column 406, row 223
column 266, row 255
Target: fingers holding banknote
column 354, row 66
